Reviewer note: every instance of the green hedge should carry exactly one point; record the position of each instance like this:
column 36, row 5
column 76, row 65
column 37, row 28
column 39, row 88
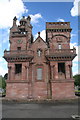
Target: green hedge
column 2, row 82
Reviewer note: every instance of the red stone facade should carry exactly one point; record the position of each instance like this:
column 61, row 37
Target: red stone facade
column 40, row 69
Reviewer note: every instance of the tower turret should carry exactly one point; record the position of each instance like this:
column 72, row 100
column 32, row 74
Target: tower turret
column 14, row 21
column 58, row 34
column 21, row 35
column 28, row 21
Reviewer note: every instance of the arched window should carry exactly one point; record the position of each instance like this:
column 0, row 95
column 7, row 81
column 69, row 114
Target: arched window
column 59, row 46
column 39, row 51
column 39, row 74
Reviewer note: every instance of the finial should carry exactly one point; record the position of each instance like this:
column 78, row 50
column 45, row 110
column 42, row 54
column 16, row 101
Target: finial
column 15, row 18
column 74, row 47
column 14, row 21
column 23, row 16
column 38, row 34
column 29, row 18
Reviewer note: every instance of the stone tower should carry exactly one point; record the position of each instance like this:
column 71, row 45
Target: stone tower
column 60, row 57
column 21, row 33
column 40, row 69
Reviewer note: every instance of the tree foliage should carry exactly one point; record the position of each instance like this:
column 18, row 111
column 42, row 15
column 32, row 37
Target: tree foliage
column 77, row 79
column 2, row 82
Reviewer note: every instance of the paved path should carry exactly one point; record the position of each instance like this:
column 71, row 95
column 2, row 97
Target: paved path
column 39, row 110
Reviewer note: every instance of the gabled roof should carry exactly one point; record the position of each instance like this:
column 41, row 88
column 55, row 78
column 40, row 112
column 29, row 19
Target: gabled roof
column 39, row 38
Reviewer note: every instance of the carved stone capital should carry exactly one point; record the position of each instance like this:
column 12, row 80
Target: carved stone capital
column 52, row 66
column 27, row 67
column 9, row 67
column 70, row 65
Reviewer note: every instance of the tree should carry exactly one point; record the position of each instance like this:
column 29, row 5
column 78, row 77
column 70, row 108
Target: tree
column 77, row 79
column 2, row 82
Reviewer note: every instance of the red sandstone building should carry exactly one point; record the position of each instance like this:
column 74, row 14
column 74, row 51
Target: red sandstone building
column 40, row 69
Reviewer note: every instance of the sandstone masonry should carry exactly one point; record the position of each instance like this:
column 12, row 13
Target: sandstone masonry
column 40, row 69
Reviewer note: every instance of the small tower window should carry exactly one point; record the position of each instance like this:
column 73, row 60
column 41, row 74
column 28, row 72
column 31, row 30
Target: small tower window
column 18, row 68
column 59, row 46
column 61, row 67
column 39, row 52
column 18, row 48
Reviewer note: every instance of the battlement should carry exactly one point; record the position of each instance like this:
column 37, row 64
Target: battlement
column 58, row 25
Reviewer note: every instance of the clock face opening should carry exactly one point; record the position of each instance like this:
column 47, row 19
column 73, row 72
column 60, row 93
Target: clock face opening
column 19, row 41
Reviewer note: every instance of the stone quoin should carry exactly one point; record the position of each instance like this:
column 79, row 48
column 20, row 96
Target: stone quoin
column 40, row 69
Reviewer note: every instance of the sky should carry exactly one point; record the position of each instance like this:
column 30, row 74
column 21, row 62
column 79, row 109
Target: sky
column 40, row 13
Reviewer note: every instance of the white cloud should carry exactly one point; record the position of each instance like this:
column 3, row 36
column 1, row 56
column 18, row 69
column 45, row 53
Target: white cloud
column 60, row 20
column 75, row 11
column 43, row 35
column 9, row 9
column 3, row 66
column 75, row 73
column 35, row 18
column 1, row 59
column 73, row 45
column 3, row 71
column 76, row 59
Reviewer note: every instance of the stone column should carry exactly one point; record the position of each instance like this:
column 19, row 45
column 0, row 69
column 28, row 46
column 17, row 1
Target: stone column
column 13, row 72
column 31, row 84
column 53, row 70
column 47, row 73
column 49, row 77
column 27, row 72
column 70, row 69
column 67, row 71
column 9, row 73
column 56, row 70
column 23, row 72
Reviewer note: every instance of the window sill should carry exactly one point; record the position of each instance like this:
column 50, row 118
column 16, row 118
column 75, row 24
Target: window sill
column 39, row 80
